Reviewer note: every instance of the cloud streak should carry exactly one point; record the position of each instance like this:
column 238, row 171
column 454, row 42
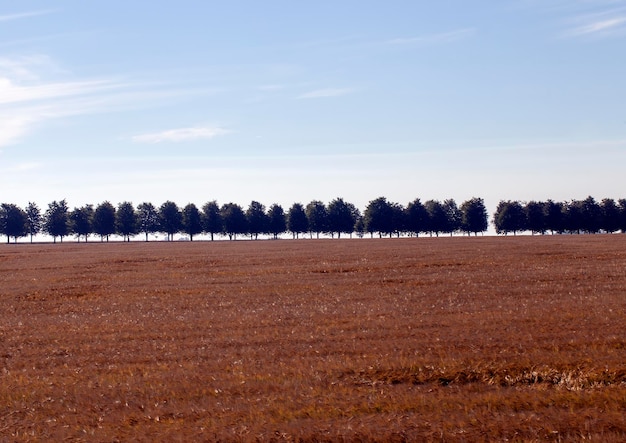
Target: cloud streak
column 21, row 15
column 324, row 93
column 443, row 37
column 181, row 135
column 607, row 26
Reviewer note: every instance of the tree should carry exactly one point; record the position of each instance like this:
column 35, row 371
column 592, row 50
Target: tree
column 622, row 215
column 591, row 215
column 170, row 219
column 126, row 220
column 104, row 220
column 33, row 219
column 535, row 217
column 317, row 217
column 56, row 220
column 192, row 220
column 574, row 216
column 437, row 217
column 416, row 217
column 474, row 216
column 453, row 216
column 509, row 217
column 211, row 218
column 277, row 223
column 555, row 216
column 257, row 219
column 81, row 221
column 148, row 218
column 398, row 219
column 341, row 217
column 297, row 222
column 378, row 217
column 610, row 215
column 234, row 220
column 13, row 221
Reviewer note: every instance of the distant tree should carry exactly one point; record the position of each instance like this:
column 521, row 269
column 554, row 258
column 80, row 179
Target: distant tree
column 192, row 220
column 257, row 219
column 170, row 219
column 574, row 216
column 13, row 221
column 234, row 220
column 509, row 217
column 359, row 226
column 535, row 217
column 126, row 220
column 340, row 217
column 81, row 221
column 297, row 222
column 555, row 216
column 33, row 220
column 474, row 216
column 398, row 219
column 453, row 216
column 277, row 222
column 148, row 218
column 56, row 220
column 622, row 215
column 211, row 219
column 591, row 216
column 379, row 217
column 437, row 217
column 416, row 217
column 357, row 218
column 610, row 215
column 104, row 220
column 317, row 217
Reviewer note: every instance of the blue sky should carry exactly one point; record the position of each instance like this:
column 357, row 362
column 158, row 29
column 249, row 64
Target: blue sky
column 284, row 101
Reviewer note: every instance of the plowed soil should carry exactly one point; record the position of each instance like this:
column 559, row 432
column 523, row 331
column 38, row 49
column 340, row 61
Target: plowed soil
column 442, row 339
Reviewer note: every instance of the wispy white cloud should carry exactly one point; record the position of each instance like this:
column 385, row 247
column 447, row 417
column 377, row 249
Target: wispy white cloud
column 21, row 15
column 604, row 24
column 181, row 135
column 327, row 92
column 443, row 37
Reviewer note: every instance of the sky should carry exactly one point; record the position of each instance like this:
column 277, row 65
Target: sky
column 282, row 101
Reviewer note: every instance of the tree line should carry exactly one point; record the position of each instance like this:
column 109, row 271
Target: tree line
column 381, row 217
column 575, row 217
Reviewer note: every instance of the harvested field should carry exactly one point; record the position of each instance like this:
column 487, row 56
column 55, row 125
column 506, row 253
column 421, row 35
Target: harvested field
column 448, row 339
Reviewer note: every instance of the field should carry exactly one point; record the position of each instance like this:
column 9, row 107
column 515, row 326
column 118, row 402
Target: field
column 446, row 339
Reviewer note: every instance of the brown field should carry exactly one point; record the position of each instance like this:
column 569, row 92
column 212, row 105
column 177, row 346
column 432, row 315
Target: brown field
column 448, row 339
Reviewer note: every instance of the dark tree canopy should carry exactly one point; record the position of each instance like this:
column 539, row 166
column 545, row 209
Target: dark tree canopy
column 277, row 223
column 234, row 220
column 126, row 220
column 453, row 216
column 170, row 219
column 416, row 218
column 211, row 219
column 474, row 216
column 81, row 221
column 509, row 217
column 341, row 217
column 148, row 218
column 257, row 219
column 317, row 217
column 192, row 220
column 437, row 217
column 610, row 215
column 13, row 221
column 536, row 220
column 104, row 220
column 297, row 222
column 379, row 217
column 56, row 220
column 33, row 220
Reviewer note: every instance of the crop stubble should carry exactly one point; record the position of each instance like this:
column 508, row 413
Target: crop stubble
column 453, row 339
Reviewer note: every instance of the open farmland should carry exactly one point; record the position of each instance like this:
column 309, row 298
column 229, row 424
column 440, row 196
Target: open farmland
column 448, row 339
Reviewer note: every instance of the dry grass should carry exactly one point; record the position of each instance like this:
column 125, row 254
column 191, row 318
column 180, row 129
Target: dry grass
column 449, row 339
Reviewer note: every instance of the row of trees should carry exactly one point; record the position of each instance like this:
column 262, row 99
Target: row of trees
column 338, row 217
column 575, row 216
